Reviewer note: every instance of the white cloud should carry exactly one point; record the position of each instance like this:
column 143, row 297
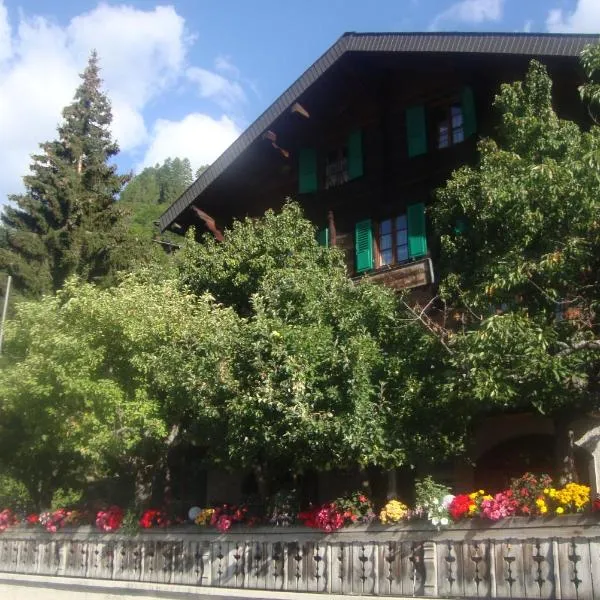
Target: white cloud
column 585, row 18
column 197, row 136
column 225, row 92
column 5, row 41
column 224, row 64
column 142, row 52
column 470, row 11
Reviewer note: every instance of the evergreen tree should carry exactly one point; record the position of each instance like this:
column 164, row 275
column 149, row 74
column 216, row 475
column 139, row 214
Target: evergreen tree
column 67, row 221
column 200, row 170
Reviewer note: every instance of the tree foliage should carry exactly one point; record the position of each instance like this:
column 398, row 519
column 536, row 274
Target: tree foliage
column 523, row 226
column 329, row 370
column 67, row 221
column 99, row 381
column 161, row 184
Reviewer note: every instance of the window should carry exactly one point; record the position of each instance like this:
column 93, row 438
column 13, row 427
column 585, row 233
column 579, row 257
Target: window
column 441, row 124
column 449, row 126
column 346, row 162
column 336, row 168
column 392, row 241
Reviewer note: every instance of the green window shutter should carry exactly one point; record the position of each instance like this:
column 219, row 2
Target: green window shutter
column 416, row 131
column 417, row 238
column 468, row 108
column 460, row 226
column 363, row 245
column 307, row 170
column 323, row 236
column 355, row 154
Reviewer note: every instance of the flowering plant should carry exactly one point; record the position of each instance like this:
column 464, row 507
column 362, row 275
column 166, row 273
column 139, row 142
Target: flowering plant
column 461, row 506
column 32, row 519
column 527, row 490
column 53, row 520
column 153, row 518
column 596, row 504
column 432, row 501
column 204, row 517
column 393, row 512
column 356, row 508
column 327, row 517
column 283, row 509
column 502, row 505
column 7, row 519
column 572, row 498
column 225, row 515
column 110, row 519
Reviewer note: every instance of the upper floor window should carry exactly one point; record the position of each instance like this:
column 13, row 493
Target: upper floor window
column 444, row 124
column 341, row 164
column 336, row 167
column 449, row 123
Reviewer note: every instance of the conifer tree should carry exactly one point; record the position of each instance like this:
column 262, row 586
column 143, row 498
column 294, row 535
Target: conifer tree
column 67, row 221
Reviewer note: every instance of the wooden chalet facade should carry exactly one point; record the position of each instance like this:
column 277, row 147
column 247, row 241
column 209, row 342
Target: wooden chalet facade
column 363, row 138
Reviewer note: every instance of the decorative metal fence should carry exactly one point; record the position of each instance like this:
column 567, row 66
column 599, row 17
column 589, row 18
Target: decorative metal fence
column 519, row 558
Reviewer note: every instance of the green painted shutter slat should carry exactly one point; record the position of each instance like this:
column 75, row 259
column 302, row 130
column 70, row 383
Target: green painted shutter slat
column 323, row 236
column 355, row 154
column 363, row 245
column 307, row 170
column 417, row 238
column 468, row 108
column 416, row 131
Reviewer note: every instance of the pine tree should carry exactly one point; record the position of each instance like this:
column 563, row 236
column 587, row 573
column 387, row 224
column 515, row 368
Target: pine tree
column 67, row 221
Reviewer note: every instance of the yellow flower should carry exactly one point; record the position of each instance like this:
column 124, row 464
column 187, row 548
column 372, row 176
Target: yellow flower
column 473, row 495
column 481, row 492
column 393, row 512
column 543, row 509
column 204, row 516
column 560, row 510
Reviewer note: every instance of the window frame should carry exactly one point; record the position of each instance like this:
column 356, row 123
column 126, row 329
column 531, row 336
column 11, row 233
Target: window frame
column 446, row 105
column 395, row 229
column 340, row 175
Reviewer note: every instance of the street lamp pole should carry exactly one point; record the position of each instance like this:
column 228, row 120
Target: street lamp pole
column 4, row 309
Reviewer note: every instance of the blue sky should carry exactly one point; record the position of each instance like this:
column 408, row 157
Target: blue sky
column 186, row 77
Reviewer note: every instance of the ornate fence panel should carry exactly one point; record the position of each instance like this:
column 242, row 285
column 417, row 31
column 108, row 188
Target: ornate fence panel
column 519, row 558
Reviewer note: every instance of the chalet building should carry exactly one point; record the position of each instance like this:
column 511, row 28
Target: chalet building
column 361, row 139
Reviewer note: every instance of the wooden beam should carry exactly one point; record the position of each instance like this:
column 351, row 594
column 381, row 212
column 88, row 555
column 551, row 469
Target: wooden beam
column 210, row 223
column 299, row 109
column 332, row 232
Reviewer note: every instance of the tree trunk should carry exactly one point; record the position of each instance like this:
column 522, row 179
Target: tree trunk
column 262, row 484
column 565, row 449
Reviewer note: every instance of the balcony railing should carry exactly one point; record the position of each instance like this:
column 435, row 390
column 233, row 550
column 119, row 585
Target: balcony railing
column 516, row 558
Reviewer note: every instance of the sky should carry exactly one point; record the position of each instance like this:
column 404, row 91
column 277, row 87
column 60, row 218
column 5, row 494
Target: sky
column 186, row 77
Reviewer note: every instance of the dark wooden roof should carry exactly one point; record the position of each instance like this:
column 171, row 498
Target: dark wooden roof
column 533, row 45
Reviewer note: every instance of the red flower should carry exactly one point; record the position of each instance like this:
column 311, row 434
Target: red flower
column 459, row 507
column 153, row 518
column 362, row 498
column 33, row 519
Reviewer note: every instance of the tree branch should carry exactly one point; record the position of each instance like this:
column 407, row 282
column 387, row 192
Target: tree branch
column 579, row 346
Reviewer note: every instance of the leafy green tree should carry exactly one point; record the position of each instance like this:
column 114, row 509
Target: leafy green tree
column 520, row 238
column 325, row 370
column 104, row 381
column 67, row 221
